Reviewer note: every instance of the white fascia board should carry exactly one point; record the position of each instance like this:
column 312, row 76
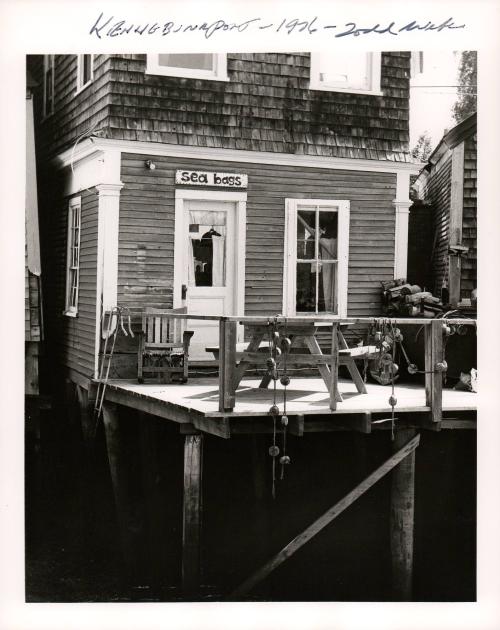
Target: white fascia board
column 235, row 155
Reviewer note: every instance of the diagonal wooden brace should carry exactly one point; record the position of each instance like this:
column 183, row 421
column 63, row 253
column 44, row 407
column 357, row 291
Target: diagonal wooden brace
column 324, row 520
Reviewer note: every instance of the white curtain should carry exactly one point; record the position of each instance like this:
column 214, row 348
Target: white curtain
column 328, row 248
column 218, row 261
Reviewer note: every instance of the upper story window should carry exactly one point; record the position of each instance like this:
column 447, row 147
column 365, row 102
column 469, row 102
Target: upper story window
column 48, row 84
column 354, row 72
column 73, row 256
column 195, row 65
column 85, row 71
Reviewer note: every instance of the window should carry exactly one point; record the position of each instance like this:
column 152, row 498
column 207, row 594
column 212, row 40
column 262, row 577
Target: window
column 85, row 71
column 316, row 257
column 73, row 256
column 48, row 85
column 353, row 72
column 195, row 65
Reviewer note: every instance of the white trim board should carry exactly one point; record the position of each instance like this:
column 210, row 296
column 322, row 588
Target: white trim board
column 233, row 155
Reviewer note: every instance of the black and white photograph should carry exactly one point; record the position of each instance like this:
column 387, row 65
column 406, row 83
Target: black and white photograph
column 258, row 383
column 251, row 327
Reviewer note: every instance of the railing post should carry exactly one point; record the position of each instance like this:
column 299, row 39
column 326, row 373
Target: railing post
column 227, row 364
column 334, row 367
column 433, row 375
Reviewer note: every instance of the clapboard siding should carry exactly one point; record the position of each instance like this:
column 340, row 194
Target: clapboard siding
column 469, row 226
column 72, row 339
column 265, row 106
column 146, row 232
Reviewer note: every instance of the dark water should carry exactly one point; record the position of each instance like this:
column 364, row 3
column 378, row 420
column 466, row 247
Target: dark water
column 72, row 540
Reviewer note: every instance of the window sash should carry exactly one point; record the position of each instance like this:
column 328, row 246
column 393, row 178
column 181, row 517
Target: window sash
column 349, row 77
column 73, row 256
column 218, row 72
column 48, row 84
column 85, row 71
column 317, row 265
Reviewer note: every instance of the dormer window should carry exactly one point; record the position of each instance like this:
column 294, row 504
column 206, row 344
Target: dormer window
column 194, row 65
column 85, row 71
column 353, row 72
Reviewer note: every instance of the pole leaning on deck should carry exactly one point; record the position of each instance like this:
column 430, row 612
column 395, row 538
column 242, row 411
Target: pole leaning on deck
column 227, row 364
column 433, row 374
column 402, row 519
column 192, row 514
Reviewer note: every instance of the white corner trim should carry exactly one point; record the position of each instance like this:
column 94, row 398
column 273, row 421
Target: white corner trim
column 234, row 155
column 402, row 205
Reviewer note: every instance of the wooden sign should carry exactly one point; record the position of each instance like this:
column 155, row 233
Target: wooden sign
column 205, row 178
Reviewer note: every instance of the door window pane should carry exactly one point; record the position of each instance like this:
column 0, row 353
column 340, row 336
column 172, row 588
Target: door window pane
column 207, row 248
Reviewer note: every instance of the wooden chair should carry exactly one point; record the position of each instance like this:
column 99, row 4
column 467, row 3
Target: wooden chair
column 163, row 346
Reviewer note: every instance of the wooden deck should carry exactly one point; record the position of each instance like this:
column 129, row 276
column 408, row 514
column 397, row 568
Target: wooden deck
column 197, row 402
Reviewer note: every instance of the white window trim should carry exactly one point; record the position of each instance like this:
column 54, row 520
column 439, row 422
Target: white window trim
column 48, row 60
column 316, row 84
column 79, row 74
column 290, row 260
column 218, row 74
column 75, row 205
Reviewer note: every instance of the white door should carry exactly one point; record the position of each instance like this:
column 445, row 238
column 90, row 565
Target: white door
column 208, row 273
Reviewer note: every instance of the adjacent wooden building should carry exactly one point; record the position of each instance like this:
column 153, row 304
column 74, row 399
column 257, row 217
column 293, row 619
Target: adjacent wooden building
column 447, row 204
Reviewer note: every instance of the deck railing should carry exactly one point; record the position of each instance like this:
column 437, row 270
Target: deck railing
column 434, row 332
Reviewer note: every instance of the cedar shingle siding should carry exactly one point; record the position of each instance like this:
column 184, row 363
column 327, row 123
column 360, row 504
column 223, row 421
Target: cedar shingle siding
column 265, row 106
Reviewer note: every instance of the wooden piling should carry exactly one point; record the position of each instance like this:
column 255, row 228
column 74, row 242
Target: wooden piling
column 192, row 514
column 402, row 519
column 117, row 458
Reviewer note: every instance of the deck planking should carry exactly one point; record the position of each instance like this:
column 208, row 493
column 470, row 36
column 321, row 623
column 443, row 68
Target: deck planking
column 305, row 396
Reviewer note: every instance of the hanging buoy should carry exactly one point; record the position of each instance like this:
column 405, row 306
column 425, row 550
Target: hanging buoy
column 285, row 459
column 276, row 336
column 286, row 344
column 394, row 368
column 274, row 410
column 271, row 363
column 274, row 450
column 442, row 366
column 378, row 336
column 446, row 330
column 393, row 401
column 412, row 368
column 284, row 420
column 285, row 380
column 277, row 351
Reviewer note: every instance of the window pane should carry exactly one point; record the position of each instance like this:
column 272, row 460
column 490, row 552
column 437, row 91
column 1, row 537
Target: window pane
column 207, row 263
column 328, row 227
column 306, row 230
column 327, row 288
column 193, row 61
column 306, row 288
column 86, row 68
column 348, row 71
